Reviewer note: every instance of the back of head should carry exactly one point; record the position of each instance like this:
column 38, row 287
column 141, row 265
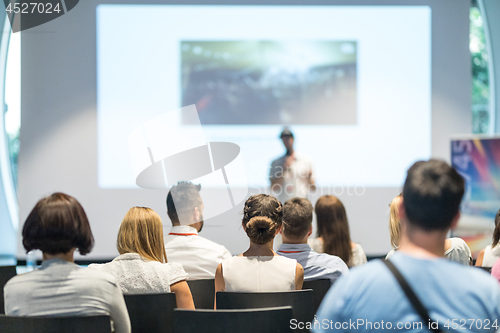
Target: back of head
column 182, row 199
column 262, row 216
column 58, row 224
column 333, row 227
column 432, row 194
column 141, row 232
column 394, row 222
column 297, row 218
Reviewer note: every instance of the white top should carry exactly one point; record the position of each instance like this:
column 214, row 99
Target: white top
column 199, row 256
column 459, row 251
column 259, row 274
column 136, row 275
column 358, row 254
column 59, row 288
column 296, row 181
column 491, row 255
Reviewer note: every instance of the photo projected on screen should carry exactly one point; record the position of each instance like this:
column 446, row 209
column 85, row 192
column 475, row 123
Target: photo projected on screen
column 353, row 83
column 270, row 82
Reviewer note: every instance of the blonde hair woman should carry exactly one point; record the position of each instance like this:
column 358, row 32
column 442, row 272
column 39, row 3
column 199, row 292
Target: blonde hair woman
column 142, row 264
column 394, row 225
column 455, row 249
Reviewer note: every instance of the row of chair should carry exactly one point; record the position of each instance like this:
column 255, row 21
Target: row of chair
column 266, row 320
column 155, row 312
column 203, row 292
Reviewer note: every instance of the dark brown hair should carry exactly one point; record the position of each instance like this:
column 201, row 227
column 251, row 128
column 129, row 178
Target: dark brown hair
column 333, row 227
column 297, row 217
column 262, row 216
column 186, row 196
column 58, row 224
column 432, row 194
column 496, row 233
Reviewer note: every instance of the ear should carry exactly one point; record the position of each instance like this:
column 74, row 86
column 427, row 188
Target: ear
column 310, row 231
column 279, row 230
column 454, row 223
column 401, row 210
column 196, row 215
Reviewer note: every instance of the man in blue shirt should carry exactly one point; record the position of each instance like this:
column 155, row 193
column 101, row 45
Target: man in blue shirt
column 457, row 298
column 297, row 227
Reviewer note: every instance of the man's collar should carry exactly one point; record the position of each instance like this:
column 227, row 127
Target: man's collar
column 294, row 248
column 183, row 230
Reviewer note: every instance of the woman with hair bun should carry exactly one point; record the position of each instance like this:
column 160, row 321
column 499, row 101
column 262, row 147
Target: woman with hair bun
column 260, row 269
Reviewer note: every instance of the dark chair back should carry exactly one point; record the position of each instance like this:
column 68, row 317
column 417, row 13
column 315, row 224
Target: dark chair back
column 320, row 288
column 151, row 312
column 203, row 292
column 93, row 324
column 6, row 273
column 266, row 320
column 487, row 269
column 301, row 301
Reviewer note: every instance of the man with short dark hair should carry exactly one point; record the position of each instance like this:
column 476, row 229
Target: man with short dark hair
column 297, row 227
column 199, row 256
column 450, row 294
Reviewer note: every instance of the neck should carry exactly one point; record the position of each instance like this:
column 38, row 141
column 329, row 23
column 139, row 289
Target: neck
column 421, row 243
column 287, row 240
column 260, row 250
column 63, row 256
column 289, row 152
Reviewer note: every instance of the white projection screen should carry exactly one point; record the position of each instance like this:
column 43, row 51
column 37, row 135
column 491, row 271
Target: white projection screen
column 367, row 88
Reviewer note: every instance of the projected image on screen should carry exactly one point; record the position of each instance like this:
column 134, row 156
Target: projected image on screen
column 270, row 82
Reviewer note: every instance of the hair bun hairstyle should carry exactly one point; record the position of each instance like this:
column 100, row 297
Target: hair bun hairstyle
column 261, row 229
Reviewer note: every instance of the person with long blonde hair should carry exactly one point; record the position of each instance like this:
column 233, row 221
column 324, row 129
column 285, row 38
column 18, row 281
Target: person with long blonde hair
column 455, row 248
column 333, row 235
column 142, row 265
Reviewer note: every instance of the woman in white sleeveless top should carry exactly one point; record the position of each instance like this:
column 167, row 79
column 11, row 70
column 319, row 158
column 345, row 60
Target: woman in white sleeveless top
column 142, row 267
column 260, row 269
column 489, row 255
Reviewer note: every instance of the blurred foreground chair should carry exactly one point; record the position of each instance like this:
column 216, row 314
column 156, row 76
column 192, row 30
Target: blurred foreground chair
column 93, row 324
column 301, row 301
column 265, row 320
column 203, row 292
column 320, row 288
column 151, row 312
column 6, row 273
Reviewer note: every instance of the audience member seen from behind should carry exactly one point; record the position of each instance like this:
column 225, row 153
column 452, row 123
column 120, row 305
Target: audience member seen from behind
column 333, row 232
column 455, row 249
column 296, row 229
column 489, row 255
column 58, row 226
column 430, row 207
column 260, row 269
column 142, row 267
column 199, row 256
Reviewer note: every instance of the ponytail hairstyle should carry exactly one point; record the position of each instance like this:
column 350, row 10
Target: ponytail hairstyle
column 394, row 222
column 333, row 227
column 262, row 217
column 496, row 233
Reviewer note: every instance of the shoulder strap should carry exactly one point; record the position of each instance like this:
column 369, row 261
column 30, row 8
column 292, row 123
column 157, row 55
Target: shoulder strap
column 421, row 310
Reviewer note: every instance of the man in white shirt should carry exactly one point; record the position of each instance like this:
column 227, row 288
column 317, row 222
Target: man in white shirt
column 297, row 227
column 199, row 256
column 291, row 175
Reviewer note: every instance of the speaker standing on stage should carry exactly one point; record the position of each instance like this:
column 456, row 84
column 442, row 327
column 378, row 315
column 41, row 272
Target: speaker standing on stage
column 292, row 174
